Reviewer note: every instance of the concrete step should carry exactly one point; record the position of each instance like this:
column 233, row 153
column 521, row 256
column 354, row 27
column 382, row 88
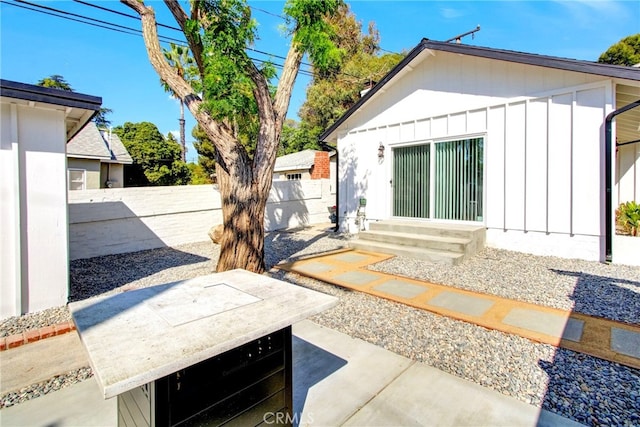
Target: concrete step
column 434, row 256
column 463, row 231
column 440, row 243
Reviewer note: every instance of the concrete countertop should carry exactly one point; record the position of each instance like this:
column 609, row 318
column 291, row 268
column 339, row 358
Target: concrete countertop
column 136, row 337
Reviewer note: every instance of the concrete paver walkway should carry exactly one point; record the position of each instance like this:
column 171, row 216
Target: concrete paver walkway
column 603, row 338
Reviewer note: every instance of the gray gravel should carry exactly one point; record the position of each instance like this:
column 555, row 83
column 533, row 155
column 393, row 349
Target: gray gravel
column 580, row 387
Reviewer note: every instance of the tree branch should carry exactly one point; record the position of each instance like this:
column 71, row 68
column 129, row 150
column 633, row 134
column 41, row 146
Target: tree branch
column 286, row 82
column 221, row 137
column 195, row 44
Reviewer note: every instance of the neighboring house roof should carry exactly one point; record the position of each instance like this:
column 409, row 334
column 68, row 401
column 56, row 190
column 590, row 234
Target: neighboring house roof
column 426, row 46
column 301, row 160
column 91, row 143
column 81, row 107
column 118, row 151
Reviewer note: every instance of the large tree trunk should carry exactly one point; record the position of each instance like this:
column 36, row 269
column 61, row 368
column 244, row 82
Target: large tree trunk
column 242, row 242
column 244, row 195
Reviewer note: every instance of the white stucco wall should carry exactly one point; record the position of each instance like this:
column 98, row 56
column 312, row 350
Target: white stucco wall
column 112, row 221
column 33, row 224
column 543, row 136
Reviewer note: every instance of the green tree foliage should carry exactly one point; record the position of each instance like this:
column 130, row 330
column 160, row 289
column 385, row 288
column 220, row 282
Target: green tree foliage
column 625, row 52
column 100, row 118
column 55, row 81
column 330, row 95
column 235, row 97
column 296, row 137
column 156, row 160
column 205, row 149
column 198, row 175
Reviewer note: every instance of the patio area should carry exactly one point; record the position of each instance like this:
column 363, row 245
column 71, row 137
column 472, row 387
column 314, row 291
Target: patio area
column 586, row 389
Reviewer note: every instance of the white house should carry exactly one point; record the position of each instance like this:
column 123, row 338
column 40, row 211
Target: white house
column 96, row 159
column 35, row 125
column 511, row 141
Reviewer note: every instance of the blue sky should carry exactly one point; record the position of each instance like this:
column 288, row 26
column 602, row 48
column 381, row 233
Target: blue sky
column 114, row 65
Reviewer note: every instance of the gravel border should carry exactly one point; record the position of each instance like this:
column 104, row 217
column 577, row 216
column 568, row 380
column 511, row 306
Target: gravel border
column 580, row 387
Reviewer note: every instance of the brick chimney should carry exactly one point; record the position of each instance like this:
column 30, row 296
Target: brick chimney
column 320, row 168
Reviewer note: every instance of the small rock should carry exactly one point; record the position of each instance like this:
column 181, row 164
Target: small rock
column 215, row 233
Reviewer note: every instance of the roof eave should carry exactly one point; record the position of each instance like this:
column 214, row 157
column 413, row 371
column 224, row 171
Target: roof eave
column 611, row 71
column 71, row 100
column 390, row 75
column 47, row 95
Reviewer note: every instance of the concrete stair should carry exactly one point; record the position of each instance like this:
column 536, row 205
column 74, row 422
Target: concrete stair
column 440, row 243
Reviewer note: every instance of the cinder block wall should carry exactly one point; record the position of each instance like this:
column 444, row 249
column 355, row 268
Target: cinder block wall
column 120, row 220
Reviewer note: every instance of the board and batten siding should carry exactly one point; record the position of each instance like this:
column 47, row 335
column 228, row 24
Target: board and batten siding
column 33, row 270
column 543, row 172
column 448, row 83
column 628, row 180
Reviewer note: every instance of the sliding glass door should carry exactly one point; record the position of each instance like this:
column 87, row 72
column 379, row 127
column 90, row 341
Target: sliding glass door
column 411, row 176
column 439, row 180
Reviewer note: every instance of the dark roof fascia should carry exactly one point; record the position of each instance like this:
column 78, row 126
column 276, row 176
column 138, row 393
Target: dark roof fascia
column 390, row 75
column 587, row 67
column 47, row 95
column 608, row 70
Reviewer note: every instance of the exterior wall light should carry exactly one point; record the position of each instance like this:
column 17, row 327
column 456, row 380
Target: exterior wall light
column 381, row 151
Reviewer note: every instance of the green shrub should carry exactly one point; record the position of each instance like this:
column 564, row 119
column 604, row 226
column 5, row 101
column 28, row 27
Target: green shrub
column 628, row 217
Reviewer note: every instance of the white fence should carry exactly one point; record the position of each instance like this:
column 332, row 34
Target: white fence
column 120, row 220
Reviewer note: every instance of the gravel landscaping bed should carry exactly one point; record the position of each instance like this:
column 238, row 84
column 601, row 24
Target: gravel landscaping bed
column 580, row 387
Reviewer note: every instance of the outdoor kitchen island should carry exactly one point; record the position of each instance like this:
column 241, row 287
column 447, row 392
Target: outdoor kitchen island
column 211, row 350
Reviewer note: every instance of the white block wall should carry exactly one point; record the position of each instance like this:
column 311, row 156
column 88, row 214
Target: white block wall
column 120, row 220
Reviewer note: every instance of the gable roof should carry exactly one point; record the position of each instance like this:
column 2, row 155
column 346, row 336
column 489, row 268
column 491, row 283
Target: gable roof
column 91, row 143
column 426, row 45
column 301, row 160
column 118, row 151
column 80, row 107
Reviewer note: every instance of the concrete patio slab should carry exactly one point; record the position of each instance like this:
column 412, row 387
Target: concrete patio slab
column 337, row 380
column 423, row 395
column 335, row 375
column 18, row 364
column 461, row 303
column 401, row 288
column 80, row 404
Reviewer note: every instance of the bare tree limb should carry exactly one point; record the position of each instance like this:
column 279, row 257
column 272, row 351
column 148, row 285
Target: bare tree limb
column 286, row 82
column 195, row 44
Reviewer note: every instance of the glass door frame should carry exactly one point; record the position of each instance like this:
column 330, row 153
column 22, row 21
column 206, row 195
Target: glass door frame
column 432, row 175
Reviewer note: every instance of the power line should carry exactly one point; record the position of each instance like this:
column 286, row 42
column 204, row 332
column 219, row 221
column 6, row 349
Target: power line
column 83, row 19
column 116, row 27
column 106, row 9
column 117, row 12
column 65, row 17
column 268, row 13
